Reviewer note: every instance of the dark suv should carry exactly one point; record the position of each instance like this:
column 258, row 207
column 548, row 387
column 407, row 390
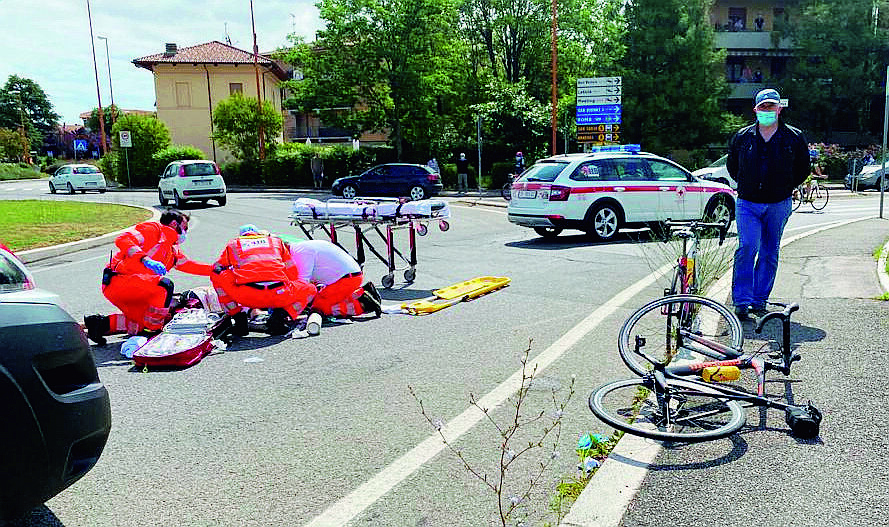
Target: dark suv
column 391, row 179
column 56, row 411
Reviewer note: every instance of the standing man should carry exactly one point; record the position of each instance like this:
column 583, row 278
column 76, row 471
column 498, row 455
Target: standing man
column 134, row 280
column 255, row 270
column 317, row 166
column 462, row 173
column 768, row 159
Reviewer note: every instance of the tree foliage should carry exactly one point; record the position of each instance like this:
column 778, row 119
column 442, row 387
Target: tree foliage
column 236, row 124
column 149, row 135
column 673, row 79
column 108, row 113
column 842, row 50
column 13, row 145
column 24, row 103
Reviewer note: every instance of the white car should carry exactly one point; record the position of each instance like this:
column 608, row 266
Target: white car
column 76, row 177
column 611, row 188
column 191, row 180
column 718, row 172
column 17, row 285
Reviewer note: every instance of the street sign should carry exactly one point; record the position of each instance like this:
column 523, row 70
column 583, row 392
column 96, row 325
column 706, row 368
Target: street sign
column 589, row 128
column 593, row 101
column 126, row 140
column 599, row 91
column 598, row 137
column 602, row 118
column 599, row 81
column 80, row 145
column 599, row 108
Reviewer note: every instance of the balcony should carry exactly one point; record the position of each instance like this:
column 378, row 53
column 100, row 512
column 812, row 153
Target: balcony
column 745, row 90
column 750, row 40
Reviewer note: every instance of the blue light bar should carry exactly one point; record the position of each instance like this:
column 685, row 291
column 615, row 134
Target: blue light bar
column 616, row 148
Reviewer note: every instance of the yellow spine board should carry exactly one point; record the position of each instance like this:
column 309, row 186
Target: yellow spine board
column 459, row 292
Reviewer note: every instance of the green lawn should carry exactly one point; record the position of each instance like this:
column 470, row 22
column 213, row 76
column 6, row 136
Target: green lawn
column 29, row 224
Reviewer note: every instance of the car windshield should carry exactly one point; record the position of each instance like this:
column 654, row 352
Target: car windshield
column 544, row 171
column 86, row 170
column 200, row 169
column 13, row 276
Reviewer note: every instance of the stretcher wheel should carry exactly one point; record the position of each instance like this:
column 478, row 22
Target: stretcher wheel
column 421, row 229
column 410, row 274
column 443, row 225
column 388, row 281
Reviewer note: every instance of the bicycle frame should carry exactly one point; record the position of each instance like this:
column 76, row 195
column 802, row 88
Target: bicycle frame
column 686, row 271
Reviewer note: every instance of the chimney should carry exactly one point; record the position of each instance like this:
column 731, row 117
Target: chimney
column 171, row 49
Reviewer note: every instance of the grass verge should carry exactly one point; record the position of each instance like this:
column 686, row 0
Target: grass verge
column 29, row 224
column 16, row 171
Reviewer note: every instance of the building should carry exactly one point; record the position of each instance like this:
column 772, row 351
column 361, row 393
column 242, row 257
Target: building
column 189, row 82
column 755, row 55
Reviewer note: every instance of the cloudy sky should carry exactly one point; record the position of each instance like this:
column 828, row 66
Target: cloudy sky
column 48, row 41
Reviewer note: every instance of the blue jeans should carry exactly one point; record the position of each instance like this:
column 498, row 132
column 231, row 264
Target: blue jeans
column 760, row 226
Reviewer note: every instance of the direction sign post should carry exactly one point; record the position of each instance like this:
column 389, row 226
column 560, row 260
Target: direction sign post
column 598, row 106
column 126, row 141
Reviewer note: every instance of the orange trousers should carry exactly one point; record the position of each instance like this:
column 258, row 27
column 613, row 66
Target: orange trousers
column 341, row 297
column 293, row 296
column 141, row 300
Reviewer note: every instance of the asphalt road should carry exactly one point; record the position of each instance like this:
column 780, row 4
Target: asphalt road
column 284, row 432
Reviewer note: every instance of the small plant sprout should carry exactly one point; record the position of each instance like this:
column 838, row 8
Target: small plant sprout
column 511, row 490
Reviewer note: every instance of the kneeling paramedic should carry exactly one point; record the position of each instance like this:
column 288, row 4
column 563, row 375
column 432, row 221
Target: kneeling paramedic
column 134, row 280
column 255, row 271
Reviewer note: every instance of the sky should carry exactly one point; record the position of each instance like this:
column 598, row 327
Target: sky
column 48, row 41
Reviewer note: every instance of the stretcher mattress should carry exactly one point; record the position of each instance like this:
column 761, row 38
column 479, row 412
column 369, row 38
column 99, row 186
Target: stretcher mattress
column 364, row 209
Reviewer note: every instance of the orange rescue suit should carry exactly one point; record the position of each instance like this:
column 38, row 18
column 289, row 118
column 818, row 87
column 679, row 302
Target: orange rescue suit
column 258, row 273
column 135, row 289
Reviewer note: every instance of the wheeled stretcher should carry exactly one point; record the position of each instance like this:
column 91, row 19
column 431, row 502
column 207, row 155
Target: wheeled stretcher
column 371, row 214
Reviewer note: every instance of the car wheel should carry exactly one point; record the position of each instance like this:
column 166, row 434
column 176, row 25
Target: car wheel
column 605, row 221
column 417, row 193
column 221, row 201
column 101, row 191
column 160, row 197
column 177, row 200
column 548, row 233
column 52, row 188
column 349, row 191
column 70, row 189
column 719, row 211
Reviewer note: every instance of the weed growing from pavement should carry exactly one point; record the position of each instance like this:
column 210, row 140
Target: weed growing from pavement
column 712, row 261
column 592, row 449
column 512, row 491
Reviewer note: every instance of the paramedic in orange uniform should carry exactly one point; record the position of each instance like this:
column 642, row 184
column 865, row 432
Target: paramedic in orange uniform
column 255, row 271
column 134, row 281
column 338, row 278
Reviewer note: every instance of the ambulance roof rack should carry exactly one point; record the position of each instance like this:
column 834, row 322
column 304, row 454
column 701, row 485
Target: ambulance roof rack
column 616, row 148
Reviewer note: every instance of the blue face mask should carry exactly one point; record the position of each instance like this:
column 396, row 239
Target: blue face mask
column 766, row 118
column 182, row 238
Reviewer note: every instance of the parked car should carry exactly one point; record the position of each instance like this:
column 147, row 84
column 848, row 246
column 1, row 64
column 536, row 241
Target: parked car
column 191, row 180
column 56, row 411
column 391, row 179
column 76, row 177
column 611, row 188
column 869, row 177
column 718, row 172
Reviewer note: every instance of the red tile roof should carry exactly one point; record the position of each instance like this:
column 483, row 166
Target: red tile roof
column 214, row 52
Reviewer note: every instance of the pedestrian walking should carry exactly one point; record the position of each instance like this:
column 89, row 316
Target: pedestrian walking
column 768, row 159
column 317, row 166
column 462, row 173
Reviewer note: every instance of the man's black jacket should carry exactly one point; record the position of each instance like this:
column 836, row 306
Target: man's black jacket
column 767, row 172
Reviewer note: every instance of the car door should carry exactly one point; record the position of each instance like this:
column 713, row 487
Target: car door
column 166, row 182
column 61, row 177
column 636, row 190
column 375, row 181
column 679, row 193
column 401, row 179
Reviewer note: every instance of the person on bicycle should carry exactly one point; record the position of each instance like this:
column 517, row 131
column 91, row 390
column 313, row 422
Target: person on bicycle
column 816, row 173
column 768, row 159
column 519, row 163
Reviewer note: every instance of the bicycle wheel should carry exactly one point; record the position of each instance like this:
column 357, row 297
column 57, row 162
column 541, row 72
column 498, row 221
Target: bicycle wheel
column 506, row 191
column 684, row 412
column 797, row 198
column 654, row 330
column 819, row 197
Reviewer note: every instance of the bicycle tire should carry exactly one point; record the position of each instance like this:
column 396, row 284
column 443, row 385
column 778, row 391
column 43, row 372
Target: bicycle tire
column 656, row 322
column 696, row 413
column 819, row 197
column 506, row 191
column 796, row 198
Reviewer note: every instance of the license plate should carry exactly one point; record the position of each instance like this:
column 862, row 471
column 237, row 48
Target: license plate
column 527, row 194
column 91, row 183
column 202, row 182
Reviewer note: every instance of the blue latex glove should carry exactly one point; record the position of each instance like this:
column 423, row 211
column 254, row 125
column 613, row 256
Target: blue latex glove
column 154, row 266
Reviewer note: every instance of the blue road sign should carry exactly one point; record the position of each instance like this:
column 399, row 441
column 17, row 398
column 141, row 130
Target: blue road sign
column 80, row 145
column 601, row 118
column 600, row 108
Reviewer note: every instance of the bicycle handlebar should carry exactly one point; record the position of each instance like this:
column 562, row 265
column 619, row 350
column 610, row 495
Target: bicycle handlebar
column 692, row 226
column 783, row 315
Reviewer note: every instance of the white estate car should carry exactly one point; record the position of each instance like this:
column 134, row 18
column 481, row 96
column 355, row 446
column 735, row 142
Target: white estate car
column 718, row 172
column 191, row 180
column 610, row 188
column 75, row 177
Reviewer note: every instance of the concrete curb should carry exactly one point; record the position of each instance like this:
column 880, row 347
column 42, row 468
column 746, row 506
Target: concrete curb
column 881, row 268
column 35, row 255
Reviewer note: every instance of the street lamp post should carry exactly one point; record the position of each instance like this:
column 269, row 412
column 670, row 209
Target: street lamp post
column 110, row 85
column 98, row 91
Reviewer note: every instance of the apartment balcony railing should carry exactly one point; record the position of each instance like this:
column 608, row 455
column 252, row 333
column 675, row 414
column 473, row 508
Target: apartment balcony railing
column 752, row 40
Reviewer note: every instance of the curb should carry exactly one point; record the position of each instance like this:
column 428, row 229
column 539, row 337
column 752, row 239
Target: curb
column 881, row 268
column 43, row 253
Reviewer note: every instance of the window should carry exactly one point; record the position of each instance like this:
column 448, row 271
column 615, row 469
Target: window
column 200, row 169
column 593, row 171
column 235, row 87
column 630, row 169
column 667, row 172
column 738, row 18
column 12, row 276
column 545, row 171
column 183, row 95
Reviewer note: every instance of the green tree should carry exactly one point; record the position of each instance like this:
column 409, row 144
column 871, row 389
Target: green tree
column 108, row 113
column 149, row 135
column 384, row 64
column 236, row 123
column 24, row 103
column 842, row 50
column 13, row 145
column 514, row 121
column 673, row 79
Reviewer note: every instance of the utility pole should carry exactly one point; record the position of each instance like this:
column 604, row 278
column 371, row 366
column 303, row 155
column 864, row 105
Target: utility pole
column 555, row 70
column 258, row 87
column 110, row 85
column 98, row 92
